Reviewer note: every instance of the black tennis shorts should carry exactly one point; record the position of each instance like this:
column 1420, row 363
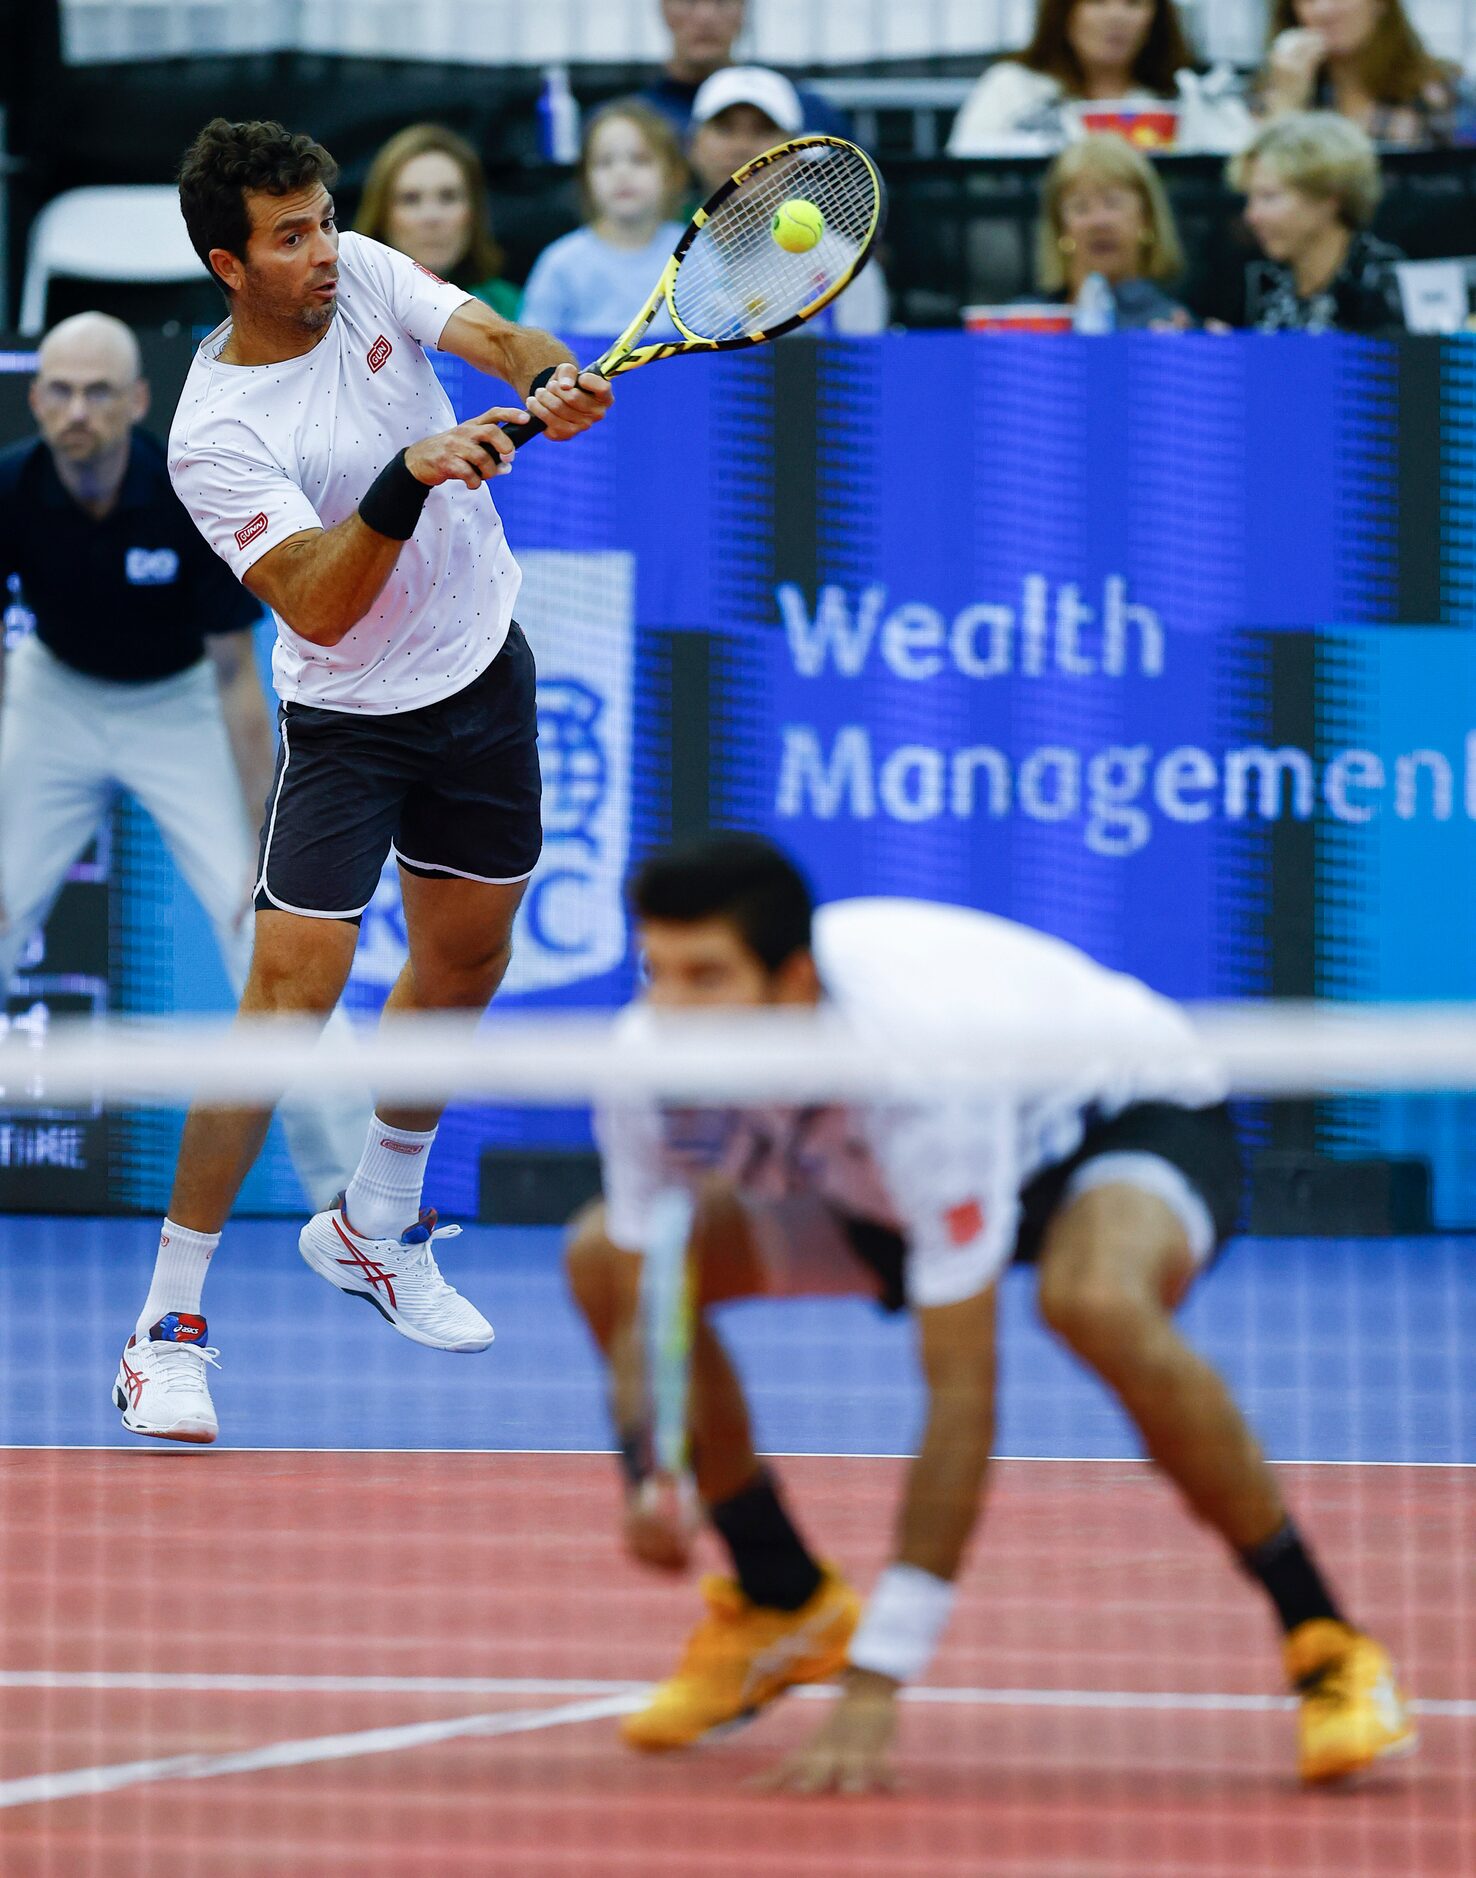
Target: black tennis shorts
column 1200, row 1143
column 451, row 789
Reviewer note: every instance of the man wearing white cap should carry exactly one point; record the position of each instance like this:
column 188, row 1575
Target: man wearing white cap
column 739, row 113
column 703, row 34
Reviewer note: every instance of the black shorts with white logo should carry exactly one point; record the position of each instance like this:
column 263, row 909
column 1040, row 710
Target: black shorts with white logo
column 452, row 789
column 1200, row 1143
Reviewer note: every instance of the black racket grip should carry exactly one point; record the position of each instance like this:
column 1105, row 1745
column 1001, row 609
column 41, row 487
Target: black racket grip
column 535, row 426
column 525, row 433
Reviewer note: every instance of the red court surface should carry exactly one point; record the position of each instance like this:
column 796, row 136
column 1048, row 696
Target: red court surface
column 1107, row 1705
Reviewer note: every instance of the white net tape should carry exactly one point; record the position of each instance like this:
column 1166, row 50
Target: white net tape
column 737, row 279
column 768, row 1056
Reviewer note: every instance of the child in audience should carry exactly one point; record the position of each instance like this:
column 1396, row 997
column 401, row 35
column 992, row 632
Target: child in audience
column 632, row 176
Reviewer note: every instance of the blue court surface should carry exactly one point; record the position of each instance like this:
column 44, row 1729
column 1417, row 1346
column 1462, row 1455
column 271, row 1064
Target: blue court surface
column 1339, row 1351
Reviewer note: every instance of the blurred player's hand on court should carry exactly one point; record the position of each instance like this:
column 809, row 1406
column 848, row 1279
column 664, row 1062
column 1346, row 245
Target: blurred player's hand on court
column 851, row 1751
column 473, row 453
column 661, row 1516
column 571, row 402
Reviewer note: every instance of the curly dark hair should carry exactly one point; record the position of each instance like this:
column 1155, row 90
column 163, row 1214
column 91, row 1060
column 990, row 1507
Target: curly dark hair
column 224, row 162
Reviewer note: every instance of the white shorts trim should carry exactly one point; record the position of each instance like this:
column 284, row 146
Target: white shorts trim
column 309, row 912
column 1151, row 1173
column 266, row 849
column 485, row 880
column 284, row 906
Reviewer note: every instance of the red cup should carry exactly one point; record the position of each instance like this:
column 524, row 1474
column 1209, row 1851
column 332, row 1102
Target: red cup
column 1045, row 317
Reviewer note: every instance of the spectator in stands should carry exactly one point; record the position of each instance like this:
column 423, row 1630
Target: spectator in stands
column 1098, row 50
column 426, row 194
column 632, row 177
column 738, row 114
column 703, row 34
column 1312, row 183
column 1104, row 211
column 1364, row 59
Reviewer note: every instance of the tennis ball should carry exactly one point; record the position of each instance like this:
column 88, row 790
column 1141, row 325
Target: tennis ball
column 798, row 225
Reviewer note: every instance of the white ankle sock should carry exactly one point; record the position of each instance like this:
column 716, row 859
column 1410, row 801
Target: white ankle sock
column 383, row 1197
column 179, row 1273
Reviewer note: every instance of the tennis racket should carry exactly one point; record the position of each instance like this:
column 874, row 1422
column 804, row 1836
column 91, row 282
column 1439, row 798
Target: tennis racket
column 729, row 284
column 668, row 1306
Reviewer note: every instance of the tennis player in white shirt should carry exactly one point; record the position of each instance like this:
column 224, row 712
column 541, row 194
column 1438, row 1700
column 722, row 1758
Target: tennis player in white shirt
column 1120, row 1190
column 318, row 455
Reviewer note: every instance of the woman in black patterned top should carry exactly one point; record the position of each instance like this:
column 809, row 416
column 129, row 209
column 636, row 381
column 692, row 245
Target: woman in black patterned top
column 1312, row 185
column 1365, row 60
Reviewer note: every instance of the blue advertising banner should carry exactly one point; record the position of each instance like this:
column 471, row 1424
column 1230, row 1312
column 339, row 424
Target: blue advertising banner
column 1161, row 643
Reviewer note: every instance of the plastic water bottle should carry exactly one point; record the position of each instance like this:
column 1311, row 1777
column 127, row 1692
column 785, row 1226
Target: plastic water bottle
column 558, row 117
column 1096, row 309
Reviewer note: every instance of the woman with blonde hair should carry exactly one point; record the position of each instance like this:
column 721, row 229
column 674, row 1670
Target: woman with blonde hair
column 632, row 176
column 1365, row 60
column 426, row 194
column 1311, row 182
column 1104, row 212
column 1083, row 51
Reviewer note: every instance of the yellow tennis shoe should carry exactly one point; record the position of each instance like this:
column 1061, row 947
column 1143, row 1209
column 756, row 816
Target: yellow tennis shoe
column 1352, row 1713
column 741, row 1657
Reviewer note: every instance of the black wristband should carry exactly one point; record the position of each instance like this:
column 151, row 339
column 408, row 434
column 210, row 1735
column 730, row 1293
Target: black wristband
column 636, row 1460
column 393, row 501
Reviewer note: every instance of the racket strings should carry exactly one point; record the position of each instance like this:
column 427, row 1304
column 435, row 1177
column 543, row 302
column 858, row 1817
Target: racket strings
column 736, row 280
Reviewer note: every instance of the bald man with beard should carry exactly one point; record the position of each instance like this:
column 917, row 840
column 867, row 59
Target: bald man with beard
column 139, row 677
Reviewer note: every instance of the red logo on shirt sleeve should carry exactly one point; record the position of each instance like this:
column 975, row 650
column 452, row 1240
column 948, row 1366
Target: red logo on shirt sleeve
column 428, row 274
column 964, row 1223
column 379, row 352
column 256, row 526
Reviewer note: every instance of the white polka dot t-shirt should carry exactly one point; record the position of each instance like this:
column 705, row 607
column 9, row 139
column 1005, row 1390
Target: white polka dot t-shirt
column 260, row 453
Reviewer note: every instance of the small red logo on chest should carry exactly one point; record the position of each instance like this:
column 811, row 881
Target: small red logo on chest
column 256, row 526
column 964, row 1223
column 379, row 352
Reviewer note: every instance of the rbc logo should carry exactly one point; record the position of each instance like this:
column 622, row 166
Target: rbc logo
column 579, row 613
column 572, row 757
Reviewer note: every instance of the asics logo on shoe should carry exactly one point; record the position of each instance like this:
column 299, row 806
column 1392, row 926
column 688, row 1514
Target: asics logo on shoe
column 1387, row 1706
column 178, row 1327
column 371, row 1268
column 133, row 1382
column 774, row 1660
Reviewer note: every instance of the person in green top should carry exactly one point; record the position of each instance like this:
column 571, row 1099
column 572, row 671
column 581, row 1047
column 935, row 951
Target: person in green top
column 426, row 194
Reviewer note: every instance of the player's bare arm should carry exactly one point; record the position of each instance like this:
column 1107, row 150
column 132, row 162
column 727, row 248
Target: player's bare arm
column 850, row 1752
column 567, row 404
column 324, row 580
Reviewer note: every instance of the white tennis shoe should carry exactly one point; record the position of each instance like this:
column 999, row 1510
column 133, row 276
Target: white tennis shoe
column 162, row 1388
column 399, row 1277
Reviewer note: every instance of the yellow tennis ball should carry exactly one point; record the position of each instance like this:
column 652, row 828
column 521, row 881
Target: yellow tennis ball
column 798, row 225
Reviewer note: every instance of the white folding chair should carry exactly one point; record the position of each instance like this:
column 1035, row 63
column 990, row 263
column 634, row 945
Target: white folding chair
column 121, row 232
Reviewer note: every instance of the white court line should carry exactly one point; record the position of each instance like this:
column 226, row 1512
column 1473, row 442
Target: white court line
column 181, row 1453
column 202, row 1683
column 79, row 1781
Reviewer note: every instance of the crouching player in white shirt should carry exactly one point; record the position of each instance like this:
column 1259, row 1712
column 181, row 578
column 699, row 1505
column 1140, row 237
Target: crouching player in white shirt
column 1119, row 1195
column 317, row 453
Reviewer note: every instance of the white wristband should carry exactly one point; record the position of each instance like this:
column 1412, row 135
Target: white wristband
column 906, row 1615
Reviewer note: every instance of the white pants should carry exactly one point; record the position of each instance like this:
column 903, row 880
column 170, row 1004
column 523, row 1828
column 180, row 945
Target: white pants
column 68, row 743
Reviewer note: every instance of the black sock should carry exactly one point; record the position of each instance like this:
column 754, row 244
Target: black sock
column 769, row 1556
column 1291, row 1579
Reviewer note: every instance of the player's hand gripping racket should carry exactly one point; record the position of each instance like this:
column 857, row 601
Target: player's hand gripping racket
column 770, row 249
column 668, row 1497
